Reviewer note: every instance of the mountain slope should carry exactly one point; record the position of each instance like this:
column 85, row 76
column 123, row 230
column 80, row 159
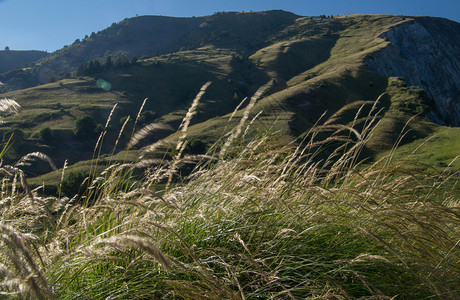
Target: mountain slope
column 338, row 76
column 313, row 65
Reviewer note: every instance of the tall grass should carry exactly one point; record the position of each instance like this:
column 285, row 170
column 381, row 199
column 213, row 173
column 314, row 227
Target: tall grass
column 303, row 221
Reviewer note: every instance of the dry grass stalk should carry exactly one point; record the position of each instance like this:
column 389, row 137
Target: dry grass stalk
column 62, row 178
column 9, row 106
column 17, row 173
column 98, row 142
column 120, row 134
column 140, row 111
column 110, row 116
column 336, row 116
column 144, row 163
column 161, row 143
column 192, row 109
column 237, row 131
column 145, row 131
column 188, row 117
column 135, row 124
column 27, row 159
column 24, row 263
column 183, row 129
column 236, row 109
column 252, row 122
column 132, row 241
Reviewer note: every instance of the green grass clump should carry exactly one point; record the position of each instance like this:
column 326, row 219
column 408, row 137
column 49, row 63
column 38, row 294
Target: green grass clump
column 305, row 220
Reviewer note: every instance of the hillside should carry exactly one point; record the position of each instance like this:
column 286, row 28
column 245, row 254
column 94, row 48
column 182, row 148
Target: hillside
column 313, row 65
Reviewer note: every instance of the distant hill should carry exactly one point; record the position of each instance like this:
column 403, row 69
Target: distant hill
column 13, row 59
column 147, row 36
column 426, row 53
column 16, row 68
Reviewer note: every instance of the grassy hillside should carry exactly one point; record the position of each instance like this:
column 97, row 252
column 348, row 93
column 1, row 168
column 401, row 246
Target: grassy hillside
column 439, row 150
column 325, row 75
column 57, row 106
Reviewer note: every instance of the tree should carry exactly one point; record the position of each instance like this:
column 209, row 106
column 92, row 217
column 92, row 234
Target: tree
column 91, row 68
column 108, row 62
column 122, row 61
column 81, row 70
column 86, row 127
column 7, row 48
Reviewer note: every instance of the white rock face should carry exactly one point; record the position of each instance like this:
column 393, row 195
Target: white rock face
column 426, row 53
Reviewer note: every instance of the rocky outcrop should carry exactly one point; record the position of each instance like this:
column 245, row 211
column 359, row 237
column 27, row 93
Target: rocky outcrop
column 426, row 53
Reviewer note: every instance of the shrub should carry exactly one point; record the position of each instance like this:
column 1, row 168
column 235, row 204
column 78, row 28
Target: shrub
column 74, row 184
column 17, row 135
column 46, row 134
column 86, row 127
column 147, row 117
column 196, row 146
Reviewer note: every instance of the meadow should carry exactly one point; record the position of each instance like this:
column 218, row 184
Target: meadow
column 252, row 218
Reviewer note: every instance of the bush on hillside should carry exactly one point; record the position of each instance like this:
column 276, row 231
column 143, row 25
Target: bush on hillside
column 86, row 127
column 74, row 184
column 46, row 134
column 17, row 136
column 196, row 146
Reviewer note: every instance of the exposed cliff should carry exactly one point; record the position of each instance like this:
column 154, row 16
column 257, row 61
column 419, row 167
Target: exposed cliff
column 426, row 53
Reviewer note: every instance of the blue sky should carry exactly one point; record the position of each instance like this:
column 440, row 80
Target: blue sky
column 51, row 24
